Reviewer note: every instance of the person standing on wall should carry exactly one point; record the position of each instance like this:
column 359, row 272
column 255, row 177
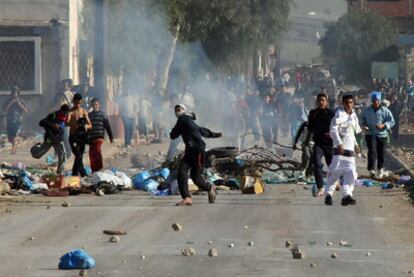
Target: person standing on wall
column 14, row 107
column 96, row 135
column 319, row 121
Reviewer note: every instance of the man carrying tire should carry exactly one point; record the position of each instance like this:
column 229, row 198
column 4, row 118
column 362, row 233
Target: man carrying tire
column 194, row 156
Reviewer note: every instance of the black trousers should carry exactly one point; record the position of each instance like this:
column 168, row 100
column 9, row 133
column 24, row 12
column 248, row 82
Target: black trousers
column 320, row 151
column 78, row 148
column 193, row 161
column 376, row 151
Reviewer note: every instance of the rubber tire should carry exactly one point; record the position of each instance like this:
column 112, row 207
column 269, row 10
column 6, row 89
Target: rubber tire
column 223, row 152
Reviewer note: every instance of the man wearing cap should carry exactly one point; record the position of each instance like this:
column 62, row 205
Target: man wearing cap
column 194, row 156
column 376, row 119
column 14, row 107
column 343, row 128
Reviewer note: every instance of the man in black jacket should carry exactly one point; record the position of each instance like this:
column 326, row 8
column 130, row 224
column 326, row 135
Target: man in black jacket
column 96, row 135
column 54, row 125
column 319, row 122
column 194, row 156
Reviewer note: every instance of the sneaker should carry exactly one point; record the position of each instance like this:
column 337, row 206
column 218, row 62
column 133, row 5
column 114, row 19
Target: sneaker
column 372, row 173
column 328, row 200
column 212, row 195
column 348, row 200
column 380, row 173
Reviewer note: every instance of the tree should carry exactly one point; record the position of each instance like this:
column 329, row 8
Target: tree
column 354, row 39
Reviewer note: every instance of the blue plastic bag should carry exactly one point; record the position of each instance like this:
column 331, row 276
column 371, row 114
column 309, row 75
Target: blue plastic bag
column 27, row 182
column 76, row 259
column 140, row 178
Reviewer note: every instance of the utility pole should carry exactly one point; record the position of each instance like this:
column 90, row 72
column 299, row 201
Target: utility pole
column 99, row 53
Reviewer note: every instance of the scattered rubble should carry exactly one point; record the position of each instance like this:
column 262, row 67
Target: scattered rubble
column 48, row 207
column 7, row 211
column 114, row 232
column 212, row 252
column 288, row 244
column 231, row 245
column 143, row 257
column 31, row 238
column 177, row 227
column 114, row 239
column 312, row 265
column 368, row 254
column 66, row 204
column 411, row 271
column 251, row 243
column 329, row 243
column 343, row 243
column 209, row 242
column 297, row 253
column 188, row 252
column 334, row 256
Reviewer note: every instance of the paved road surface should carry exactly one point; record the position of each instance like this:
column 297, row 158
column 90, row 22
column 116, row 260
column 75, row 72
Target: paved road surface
column 285, row 212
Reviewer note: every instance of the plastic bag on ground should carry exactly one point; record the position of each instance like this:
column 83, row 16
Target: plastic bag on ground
column 106, row 176
column 76, row 259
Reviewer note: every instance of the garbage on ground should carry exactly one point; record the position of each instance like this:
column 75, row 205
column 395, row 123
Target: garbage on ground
column 76, row 259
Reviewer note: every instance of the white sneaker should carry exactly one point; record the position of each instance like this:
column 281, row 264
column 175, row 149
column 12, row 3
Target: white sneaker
column 380, row 173
column 372, row 173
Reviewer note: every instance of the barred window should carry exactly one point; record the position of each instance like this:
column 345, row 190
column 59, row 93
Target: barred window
column 20, row 64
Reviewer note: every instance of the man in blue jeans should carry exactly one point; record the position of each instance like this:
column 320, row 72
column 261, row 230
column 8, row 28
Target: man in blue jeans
column 376, row 120
column 319, row 122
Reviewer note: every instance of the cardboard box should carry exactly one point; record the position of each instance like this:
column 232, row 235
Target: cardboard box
column 251, row 185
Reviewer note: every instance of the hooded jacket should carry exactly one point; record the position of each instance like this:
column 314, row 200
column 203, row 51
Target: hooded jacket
column 191, row 133
column 52, row 134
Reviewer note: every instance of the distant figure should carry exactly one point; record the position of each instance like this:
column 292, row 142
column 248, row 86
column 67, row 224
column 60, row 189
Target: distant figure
column 144, row 117
column 410, row 95
column 87, row 91
column 128, row 109
column 14, row 107
column 65, row 97
column 396, row 107
column 96, row 135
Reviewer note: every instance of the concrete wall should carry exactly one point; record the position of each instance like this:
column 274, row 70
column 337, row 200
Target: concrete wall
column 59, row 47
column 34, row 10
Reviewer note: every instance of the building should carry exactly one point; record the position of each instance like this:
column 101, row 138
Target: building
column 39, row 45
column 400, row 11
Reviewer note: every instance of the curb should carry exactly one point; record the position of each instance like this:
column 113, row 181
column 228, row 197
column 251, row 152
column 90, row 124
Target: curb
column 395, row 160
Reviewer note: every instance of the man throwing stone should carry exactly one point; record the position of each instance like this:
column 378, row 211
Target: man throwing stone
column 343, row 128
column 194, row 155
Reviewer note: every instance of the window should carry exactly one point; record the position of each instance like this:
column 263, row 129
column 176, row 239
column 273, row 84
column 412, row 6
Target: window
column 20, row 64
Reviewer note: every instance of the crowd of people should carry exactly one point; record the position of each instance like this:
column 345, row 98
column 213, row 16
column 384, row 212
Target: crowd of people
column 267, row 109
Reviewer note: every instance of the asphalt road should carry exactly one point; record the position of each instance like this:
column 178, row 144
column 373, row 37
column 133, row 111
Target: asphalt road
column 284, row 212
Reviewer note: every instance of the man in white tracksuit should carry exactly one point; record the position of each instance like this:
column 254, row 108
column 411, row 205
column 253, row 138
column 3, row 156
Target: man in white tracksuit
column 343, row 128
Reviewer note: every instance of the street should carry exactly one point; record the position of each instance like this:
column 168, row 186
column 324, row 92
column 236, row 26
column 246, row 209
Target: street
column 35, row 237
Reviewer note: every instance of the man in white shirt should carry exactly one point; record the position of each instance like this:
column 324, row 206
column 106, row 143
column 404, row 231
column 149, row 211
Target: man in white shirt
column 343, row 128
